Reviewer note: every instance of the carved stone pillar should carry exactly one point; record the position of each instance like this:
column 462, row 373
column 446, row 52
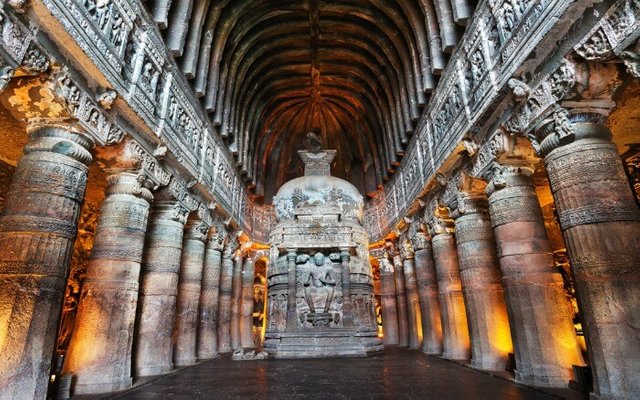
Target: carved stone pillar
column 388, row 298
column 347, row 301
column 224, row 303
column 246, row 304
column 600, row 222
column 544, row 338
column 453, row 313
column 401, row 296
column 236, row 298
column 481, row 284
column 37, row 233
column 291, row 297
column 99, row 354
column 189, row 285
column 159, row 287
column 413, row 299
column 208, row 321
column 428, row 291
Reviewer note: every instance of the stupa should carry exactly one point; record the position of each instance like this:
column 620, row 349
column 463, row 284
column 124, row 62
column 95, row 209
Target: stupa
column 320, row 285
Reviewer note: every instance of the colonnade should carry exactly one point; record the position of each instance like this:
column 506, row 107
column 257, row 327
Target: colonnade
column 485, row 271
column 166, row 284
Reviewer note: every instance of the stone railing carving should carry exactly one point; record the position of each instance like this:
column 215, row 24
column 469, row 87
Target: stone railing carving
column 495, row 45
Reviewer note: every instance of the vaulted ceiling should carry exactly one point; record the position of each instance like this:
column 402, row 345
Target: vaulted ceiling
column 357, row 72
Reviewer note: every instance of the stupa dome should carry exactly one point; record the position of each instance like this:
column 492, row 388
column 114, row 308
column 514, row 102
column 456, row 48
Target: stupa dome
column 317, row 192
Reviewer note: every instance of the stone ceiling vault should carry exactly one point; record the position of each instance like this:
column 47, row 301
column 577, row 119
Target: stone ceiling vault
column 356, row 71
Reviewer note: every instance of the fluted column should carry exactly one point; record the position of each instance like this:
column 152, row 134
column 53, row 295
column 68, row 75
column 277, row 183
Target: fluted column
column 413, row 299
column 159, row 287
column 189, row 285
column 428, row 292
column 208, row 321
column 482, row 284
column 453, row 313
column 600, row 222
column 388, row 299
column 401, row 296
column 100, row 350
column 544, row 338
column 224, row 303
column 236, row 297
column 246, row 304
column 37, row 233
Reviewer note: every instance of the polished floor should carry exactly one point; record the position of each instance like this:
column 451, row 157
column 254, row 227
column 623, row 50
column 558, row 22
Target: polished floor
column 398, row 374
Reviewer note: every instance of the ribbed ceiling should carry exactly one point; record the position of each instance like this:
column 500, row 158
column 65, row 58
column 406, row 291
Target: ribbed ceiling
column 357, row 72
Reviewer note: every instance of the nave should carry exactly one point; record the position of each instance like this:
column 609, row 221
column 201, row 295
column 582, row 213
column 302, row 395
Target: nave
column 397, row 374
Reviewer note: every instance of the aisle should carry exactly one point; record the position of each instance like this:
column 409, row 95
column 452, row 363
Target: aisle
column 398, row 374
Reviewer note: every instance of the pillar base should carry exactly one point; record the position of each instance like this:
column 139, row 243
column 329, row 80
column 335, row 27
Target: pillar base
column 186, row 363
column 208, row 356
column 489, row 366
column 541, row 380
column 455, row 356
column 155, row 370
column 104, row 387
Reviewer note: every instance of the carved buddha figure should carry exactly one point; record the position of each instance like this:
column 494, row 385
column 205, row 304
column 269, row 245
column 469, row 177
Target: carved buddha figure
column 319, row 283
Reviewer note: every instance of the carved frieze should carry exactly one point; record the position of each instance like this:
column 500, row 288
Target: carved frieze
column 613, row 33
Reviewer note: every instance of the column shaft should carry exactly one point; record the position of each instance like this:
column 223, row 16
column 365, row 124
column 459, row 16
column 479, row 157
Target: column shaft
column 208, row 324
column 246, row 306
column 413, row 304
column 401, row 301
column 189, row 285
column 601, row 228
column 429, row 301
column 159, row 287
column 37, row 233
column 224, row 304
column 544, row 338
column 236, row 298
column 482, row 290
column 389, row 305
column 100, row 350
column 454, row 316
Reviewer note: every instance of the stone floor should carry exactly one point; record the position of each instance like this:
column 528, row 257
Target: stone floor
column 398, row 374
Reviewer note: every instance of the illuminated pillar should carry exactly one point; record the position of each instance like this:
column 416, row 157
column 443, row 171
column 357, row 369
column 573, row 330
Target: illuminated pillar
column 544, row 338
column 481, row 284
column 413, row 299
column 236, row 297
column 224, row 303
column 388, row 298
column 600, row 222
column 246, row 305
column 189, row 285
column 208, row 321
column 428, row 293
column 453, row 314
column 401, row 296
column 159, row 286
column 100, row 350
column 37, row 233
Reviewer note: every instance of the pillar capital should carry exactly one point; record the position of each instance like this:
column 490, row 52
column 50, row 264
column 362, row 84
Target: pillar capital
column 505, row 175
column 378, row 253
column 58, row 137
column 217, row 235
column 196, row 229
column 405, row 247
column 128, row 183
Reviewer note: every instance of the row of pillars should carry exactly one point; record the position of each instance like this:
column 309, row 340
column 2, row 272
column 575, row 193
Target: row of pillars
column 161, row 288
column 484, row 275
